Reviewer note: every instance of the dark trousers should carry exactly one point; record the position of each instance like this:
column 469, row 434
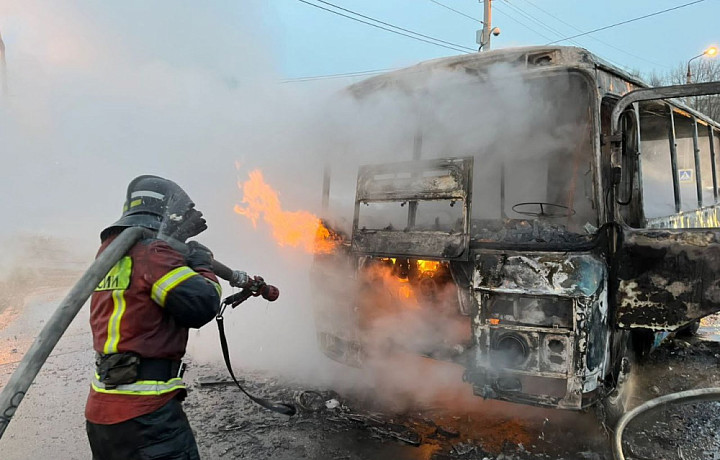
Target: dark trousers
column 161, row 435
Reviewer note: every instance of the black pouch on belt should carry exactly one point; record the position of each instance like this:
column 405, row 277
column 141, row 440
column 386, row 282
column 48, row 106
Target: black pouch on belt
column 117, row 369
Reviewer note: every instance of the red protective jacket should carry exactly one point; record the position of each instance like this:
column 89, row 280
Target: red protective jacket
column 145, row 305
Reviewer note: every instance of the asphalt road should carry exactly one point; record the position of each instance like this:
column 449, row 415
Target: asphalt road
column 49, row 424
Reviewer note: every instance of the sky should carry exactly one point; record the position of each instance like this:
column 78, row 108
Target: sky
column 301, row 40
column 99, row 91
column 103, row 90
column 316, row 42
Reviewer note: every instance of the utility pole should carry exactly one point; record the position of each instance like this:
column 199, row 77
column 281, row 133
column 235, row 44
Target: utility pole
column 487, row 21
column 484, row 35
column 3, row 68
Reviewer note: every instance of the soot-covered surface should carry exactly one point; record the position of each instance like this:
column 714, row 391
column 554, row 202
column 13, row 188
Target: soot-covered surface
column 50, row 423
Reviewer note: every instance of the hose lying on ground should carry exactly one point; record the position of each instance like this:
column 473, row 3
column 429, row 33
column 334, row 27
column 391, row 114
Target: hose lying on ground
column 704, row 394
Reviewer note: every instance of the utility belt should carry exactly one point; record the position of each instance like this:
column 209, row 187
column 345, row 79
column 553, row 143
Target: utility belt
column 131, row 373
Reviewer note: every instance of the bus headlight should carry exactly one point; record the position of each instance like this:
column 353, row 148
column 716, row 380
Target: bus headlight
column 509, row 349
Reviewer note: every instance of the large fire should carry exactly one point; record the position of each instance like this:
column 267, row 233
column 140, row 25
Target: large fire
column 298, row 229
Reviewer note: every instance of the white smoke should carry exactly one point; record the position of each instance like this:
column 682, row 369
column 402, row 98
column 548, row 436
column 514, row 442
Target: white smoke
column 98, row 96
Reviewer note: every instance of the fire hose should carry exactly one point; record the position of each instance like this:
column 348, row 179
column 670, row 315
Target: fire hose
column 16, row 388
column 253, row 287
column 704, row 394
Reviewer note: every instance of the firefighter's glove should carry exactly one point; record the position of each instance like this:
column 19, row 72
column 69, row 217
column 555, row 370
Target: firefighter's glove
column 182, row 227
column 198, row 256
column 239, row 279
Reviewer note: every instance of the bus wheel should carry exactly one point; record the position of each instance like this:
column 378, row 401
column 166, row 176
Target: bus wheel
column 615, row 403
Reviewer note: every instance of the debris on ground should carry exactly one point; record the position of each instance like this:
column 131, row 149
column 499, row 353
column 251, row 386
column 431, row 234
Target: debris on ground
column 335, row 426
column 339, row 426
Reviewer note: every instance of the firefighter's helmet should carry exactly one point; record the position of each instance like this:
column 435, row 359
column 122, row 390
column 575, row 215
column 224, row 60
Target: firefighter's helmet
column 149, row 201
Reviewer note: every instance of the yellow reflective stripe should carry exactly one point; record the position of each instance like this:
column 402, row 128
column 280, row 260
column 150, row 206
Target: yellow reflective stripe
column 168, row 282
column 141, row 387
column 113, row 333
column 118, row 277
column 134, row 203
column 217, row 287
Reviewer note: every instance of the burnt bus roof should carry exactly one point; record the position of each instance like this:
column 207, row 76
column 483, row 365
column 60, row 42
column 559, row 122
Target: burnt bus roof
column 527, row 57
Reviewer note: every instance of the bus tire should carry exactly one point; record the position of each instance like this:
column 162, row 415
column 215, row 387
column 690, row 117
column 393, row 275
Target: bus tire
column 616, row 402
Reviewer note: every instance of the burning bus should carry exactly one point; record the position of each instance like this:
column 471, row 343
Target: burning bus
column 545, row 218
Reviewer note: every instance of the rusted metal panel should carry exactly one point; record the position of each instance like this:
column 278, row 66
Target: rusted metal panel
column 540, row 273
column 668, row 278
column 664, row 92
column 528, row 58
column 415, row 182
column 609, row 82
column 413, row 244
column 560, row 317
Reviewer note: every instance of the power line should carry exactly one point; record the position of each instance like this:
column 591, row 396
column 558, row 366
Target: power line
column 627, row 21
column 535, row 20
column 454, row 47
column 360, row 73
column 457, row 11
column 521, row 23
column 496, row 9
column 552, row 16
column 594, row 38
column 391, row 25
column 551, row 29
column 507, row 3
column 531, row 18
column 370, row 72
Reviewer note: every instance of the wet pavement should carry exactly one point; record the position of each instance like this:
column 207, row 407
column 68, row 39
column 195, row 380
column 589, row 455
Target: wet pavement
column 344, row 425
column 685, row 432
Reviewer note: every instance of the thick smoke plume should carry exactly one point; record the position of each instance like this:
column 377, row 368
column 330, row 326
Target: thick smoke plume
column 93, row 103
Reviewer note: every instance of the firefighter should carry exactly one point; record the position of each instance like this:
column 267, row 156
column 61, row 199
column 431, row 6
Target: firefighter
column 140, row 314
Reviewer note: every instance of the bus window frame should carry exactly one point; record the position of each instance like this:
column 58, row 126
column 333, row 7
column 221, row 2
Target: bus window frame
column 693, row 119
column 698, row 169
column 673, row 157
column 629, row 199
column 662, row 94
column 711, row 140
column 673, row 113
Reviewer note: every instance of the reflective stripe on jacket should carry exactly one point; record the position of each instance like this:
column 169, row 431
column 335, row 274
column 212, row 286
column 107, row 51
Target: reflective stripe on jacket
column 141, row 387
column 145, row 305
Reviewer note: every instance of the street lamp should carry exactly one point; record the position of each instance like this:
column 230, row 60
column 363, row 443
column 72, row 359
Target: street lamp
column 712, row 51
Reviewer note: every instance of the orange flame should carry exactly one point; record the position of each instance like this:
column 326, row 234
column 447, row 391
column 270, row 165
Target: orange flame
column 428, row 266
column 404, row 289
column 289, row 228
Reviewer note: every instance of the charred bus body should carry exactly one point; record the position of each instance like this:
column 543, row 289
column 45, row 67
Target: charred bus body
column 541, row 227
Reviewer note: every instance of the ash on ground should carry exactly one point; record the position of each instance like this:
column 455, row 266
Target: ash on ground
column 348, row 427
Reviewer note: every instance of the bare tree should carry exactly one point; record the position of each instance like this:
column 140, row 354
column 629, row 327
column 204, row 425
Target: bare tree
column 703, row 71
